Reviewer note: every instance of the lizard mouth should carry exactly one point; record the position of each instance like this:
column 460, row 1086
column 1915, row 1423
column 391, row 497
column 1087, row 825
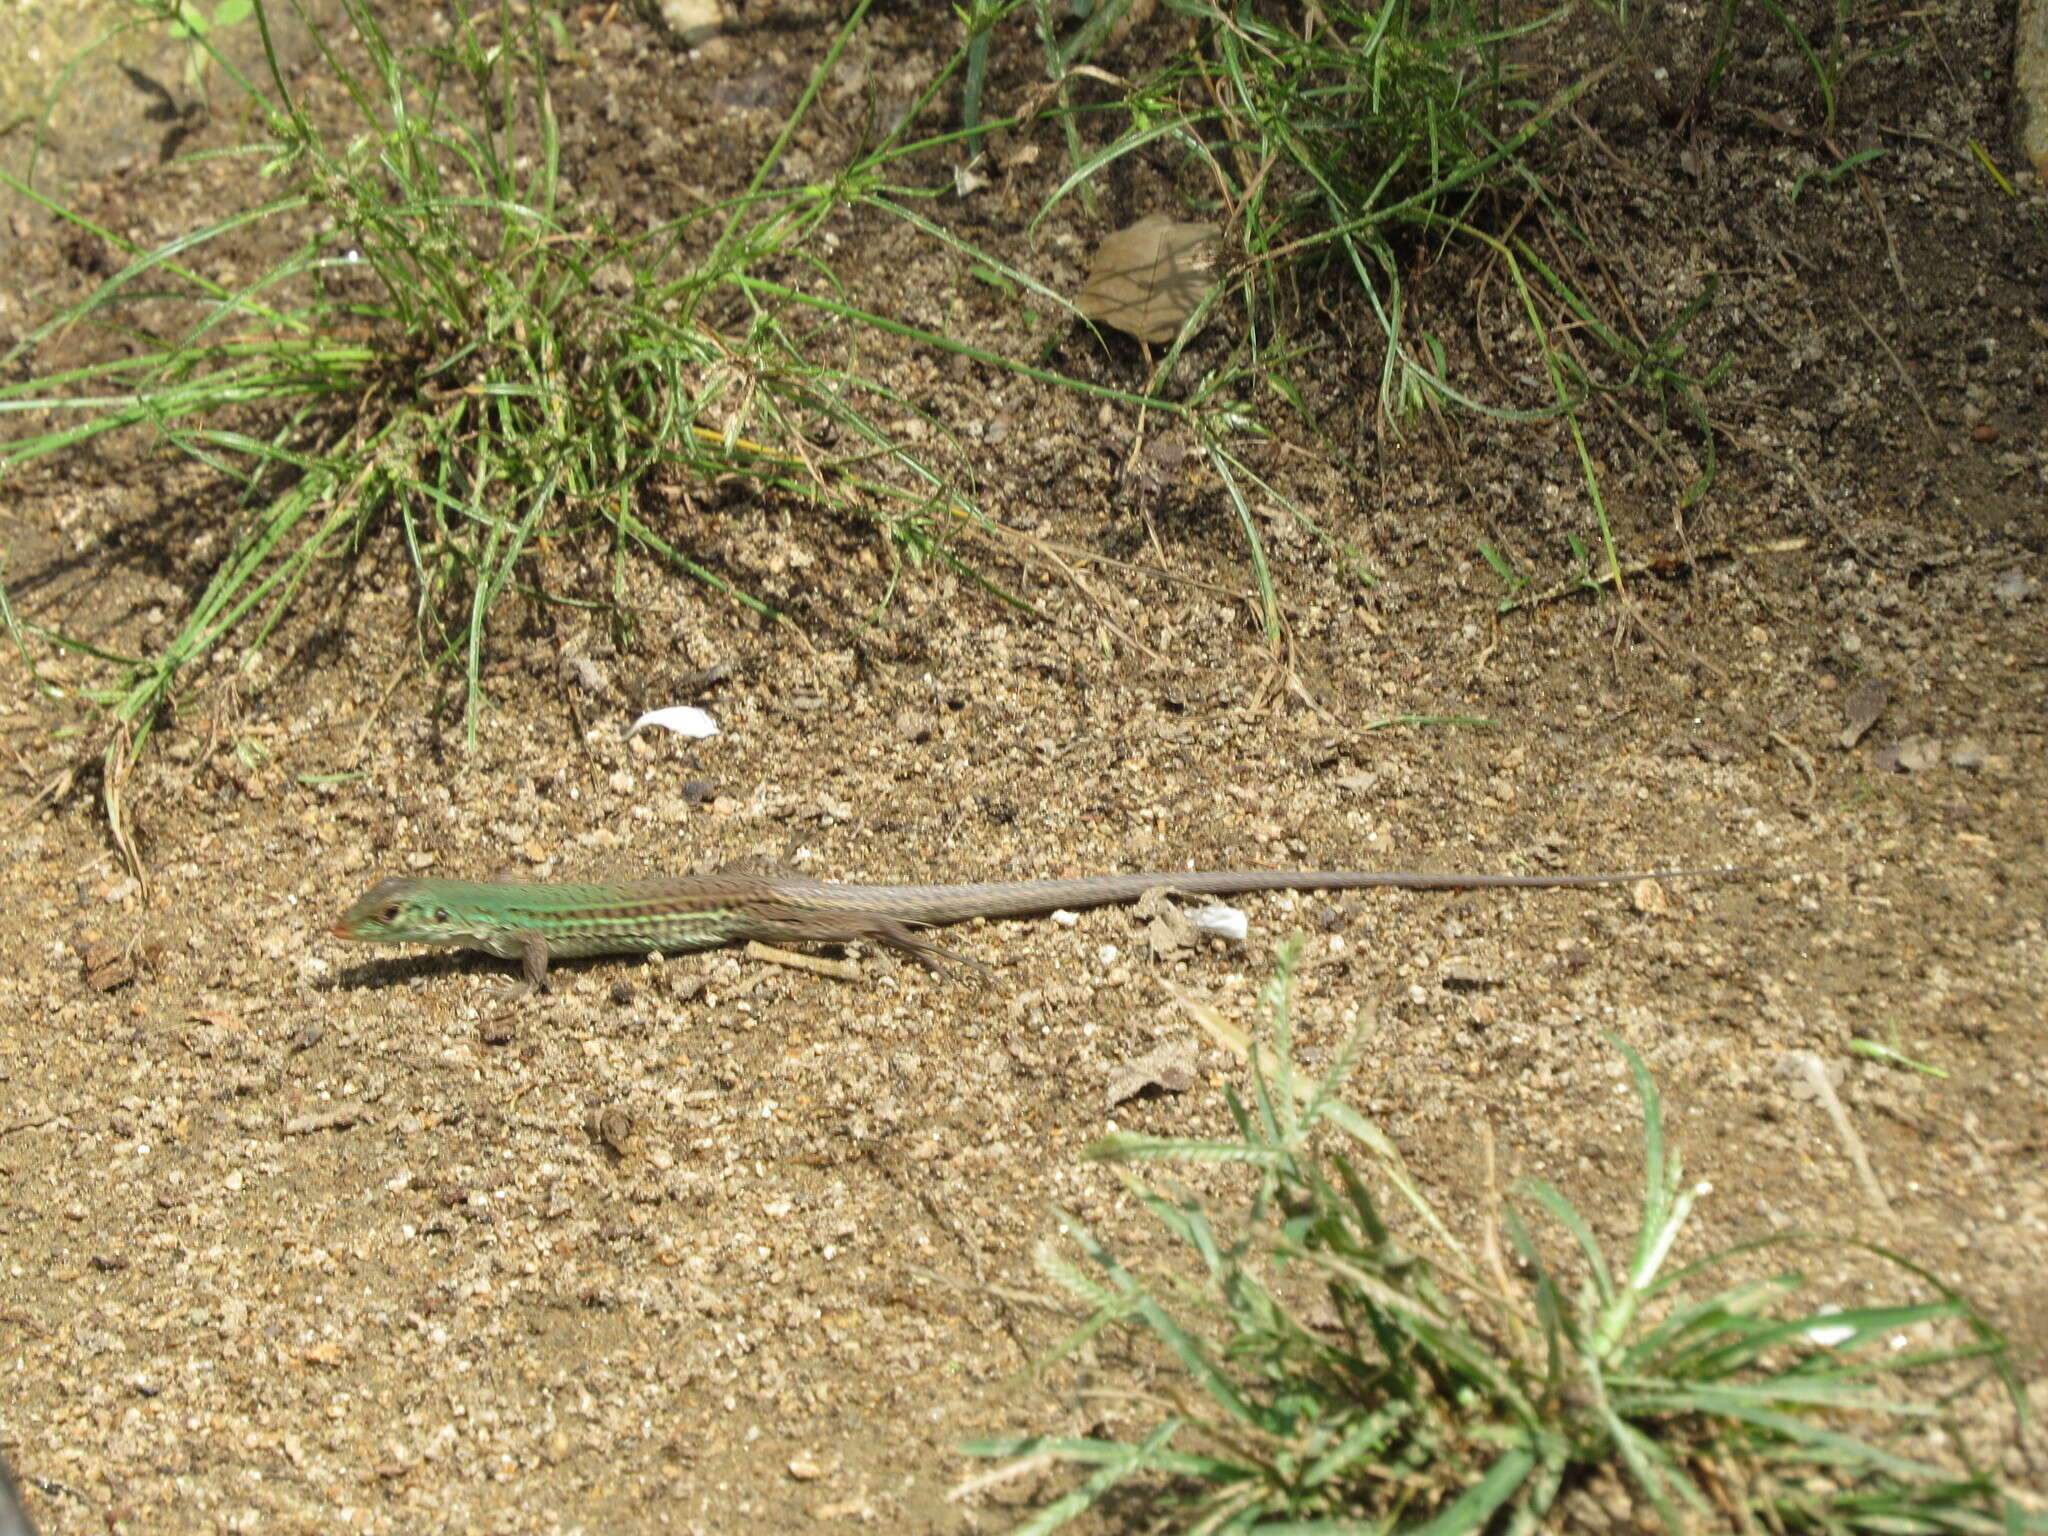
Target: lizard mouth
column 341, row 929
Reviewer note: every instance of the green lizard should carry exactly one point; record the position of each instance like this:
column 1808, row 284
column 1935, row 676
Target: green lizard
column 535, row 923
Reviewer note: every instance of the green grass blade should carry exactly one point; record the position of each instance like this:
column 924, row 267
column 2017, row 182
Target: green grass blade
column 1469, row 1513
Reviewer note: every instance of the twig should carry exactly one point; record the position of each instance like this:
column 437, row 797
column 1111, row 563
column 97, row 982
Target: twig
column 1007, row 1473
column 1660, row 565
column 795, row 960
column 113, row 782
column 1884, row 226
column 1074, row 579
column 1673, row 650
column 1489, row 1238
column 1800, row 760
column 1898, row 363
column 1816, row 1075
column 1821, row 508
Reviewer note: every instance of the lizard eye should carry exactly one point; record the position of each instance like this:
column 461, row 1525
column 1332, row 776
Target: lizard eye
column 389, row 914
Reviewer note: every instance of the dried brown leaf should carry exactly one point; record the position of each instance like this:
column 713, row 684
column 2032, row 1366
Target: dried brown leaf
column 1148, row 278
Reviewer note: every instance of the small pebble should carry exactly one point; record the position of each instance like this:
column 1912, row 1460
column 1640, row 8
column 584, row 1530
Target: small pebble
column 1913, row 754
column 1463, row 975
column 2013, row 587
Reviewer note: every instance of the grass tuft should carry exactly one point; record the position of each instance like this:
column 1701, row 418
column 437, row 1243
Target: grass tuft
column 1344, row 145
column 452, row 347
column 1320, row 1372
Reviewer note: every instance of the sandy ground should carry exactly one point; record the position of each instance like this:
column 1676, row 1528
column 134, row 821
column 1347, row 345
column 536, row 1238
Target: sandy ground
column 300, row 1236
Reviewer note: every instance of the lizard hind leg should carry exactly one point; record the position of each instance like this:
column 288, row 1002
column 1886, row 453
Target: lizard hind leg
column 934, row 958
column 788, row 923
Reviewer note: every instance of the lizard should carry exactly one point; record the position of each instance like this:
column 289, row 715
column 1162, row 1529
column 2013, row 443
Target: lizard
column 538, row 922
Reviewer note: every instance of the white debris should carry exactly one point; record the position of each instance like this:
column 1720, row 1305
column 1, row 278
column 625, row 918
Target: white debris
column 1221, row 922
column 683, row 719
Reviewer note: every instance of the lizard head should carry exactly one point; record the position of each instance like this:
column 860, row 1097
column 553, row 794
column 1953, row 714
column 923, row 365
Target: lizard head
column 394, row 912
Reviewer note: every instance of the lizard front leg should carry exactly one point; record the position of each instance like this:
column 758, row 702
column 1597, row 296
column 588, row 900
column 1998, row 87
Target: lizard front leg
column 533, row 959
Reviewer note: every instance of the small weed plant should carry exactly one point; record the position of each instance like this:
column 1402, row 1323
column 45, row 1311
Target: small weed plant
column 1319, row 1373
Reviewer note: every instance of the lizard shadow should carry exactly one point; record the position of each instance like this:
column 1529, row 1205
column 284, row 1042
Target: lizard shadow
column 392, row 970
column 388, row 971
